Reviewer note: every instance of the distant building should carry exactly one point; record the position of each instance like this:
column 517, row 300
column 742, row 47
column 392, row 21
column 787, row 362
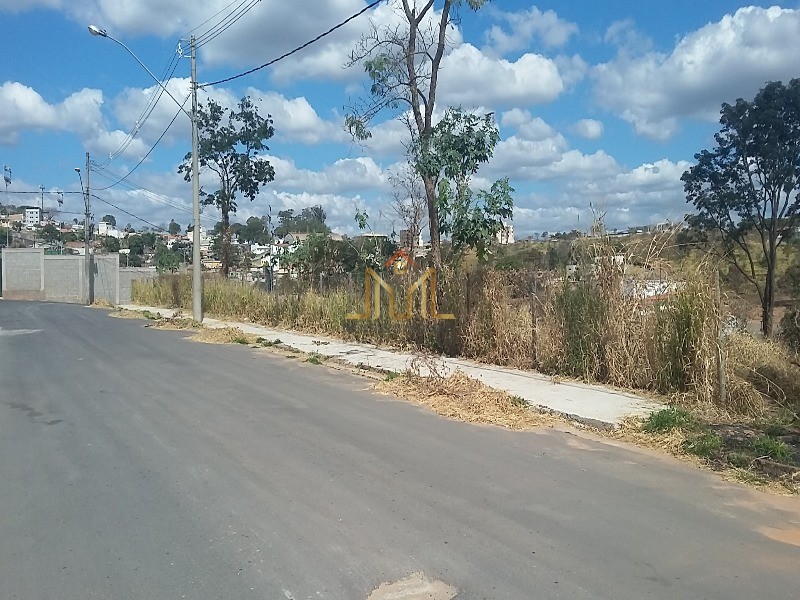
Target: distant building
column 33, row 217
column 506, row 235
column 108, row 230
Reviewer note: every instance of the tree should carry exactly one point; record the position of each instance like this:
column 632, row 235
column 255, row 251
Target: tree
column 230, row 145
column 745, row 190
column 255, row 231
column 409, row 202
column 136, row 245
column 110, row 219
column 310, row 220
column 149, row 239
column 110, row 244
column 174, row 228
column 460, row 143
column 51, row 233
column 403, row 63
column 166, row 260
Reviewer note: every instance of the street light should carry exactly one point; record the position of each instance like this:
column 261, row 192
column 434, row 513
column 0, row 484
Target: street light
column 197, row 276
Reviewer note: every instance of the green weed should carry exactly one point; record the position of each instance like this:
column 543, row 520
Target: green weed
column 668, row 419
column 773, row 448
column 705, row 445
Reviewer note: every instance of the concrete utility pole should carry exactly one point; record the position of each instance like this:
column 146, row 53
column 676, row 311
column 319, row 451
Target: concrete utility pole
column 197, row 276
column 7, row 179
column 87, row 238
column 197, row 261
column 88, row 274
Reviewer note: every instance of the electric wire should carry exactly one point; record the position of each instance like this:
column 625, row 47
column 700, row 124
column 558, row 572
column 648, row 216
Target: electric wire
column 130, row 214
column 216, row 14
column 158, row 198
column 147, row 111
column 223, row 26
column 153, row 147
column 296, row 50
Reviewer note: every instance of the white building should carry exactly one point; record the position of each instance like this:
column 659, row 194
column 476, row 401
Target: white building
column 107, row 229
column 506, row 235
column 33, row 217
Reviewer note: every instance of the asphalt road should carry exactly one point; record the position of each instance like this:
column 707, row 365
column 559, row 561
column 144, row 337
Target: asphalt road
column 138, row 464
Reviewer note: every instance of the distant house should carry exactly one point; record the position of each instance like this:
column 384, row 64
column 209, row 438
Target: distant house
column 75, row 248
column 33, row 217
column 108, row 230
column 506, row 235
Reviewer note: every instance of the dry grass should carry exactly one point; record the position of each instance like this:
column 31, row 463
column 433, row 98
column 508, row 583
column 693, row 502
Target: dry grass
column 225, row 335
column 124, row 313
column 600, row 329
column 463, row 399
column 102, row 303
column 762, row 374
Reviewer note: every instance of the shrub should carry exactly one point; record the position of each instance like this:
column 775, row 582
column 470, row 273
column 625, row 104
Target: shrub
column 668, row 419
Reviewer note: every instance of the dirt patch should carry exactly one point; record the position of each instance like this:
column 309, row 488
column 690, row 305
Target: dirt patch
column 224, row 335
column 124, row 313
column 414, row 587
column 786, row 536
column 463, row 399
column 175, row 323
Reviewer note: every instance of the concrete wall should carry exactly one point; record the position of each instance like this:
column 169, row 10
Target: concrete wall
column 106, row 278
column 126, row 277
column 27, row 274
column 63, row 279
column 23, row 274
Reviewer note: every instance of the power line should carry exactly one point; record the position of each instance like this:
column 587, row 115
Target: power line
column 208, row 20
column 130, row 214
column 153, row 147
column 153, row 196
column 231, row 19
column 298, row 49
column 147, row 111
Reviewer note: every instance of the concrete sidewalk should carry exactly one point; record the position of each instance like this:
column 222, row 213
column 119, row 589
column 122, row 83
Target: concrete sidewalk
column 592, row 404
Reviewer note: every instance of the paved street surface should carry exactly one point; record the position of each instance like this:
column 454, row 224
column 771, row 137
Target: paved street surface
column 138, row 464
column 593, row 404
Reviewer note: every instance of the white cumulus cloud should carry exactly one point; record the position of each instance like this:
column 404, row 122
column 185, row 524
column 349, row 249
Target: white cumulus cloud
column 718, row 63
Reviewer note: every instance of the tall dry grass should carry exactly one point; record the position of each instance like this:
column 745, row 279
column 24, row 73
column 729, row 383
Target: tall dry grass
column 601, row 328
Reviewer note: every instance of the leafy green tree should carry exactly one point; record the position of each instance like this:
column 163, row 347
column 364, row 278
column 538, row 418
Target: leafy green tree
column 310, row 220
column 745, row 190
column 166, row 260
column 110, row 244
column 230, row 145
column 110, row 219
column 149, row 239
column 51, row 233
column 136, row 244
column 403, row 64
column 460, row 143
column 255, row 231
column 173, row 228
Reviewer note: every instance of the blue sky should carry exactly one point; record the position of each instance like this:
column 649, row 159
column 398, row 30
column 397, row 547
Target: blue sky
column 600, row 104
